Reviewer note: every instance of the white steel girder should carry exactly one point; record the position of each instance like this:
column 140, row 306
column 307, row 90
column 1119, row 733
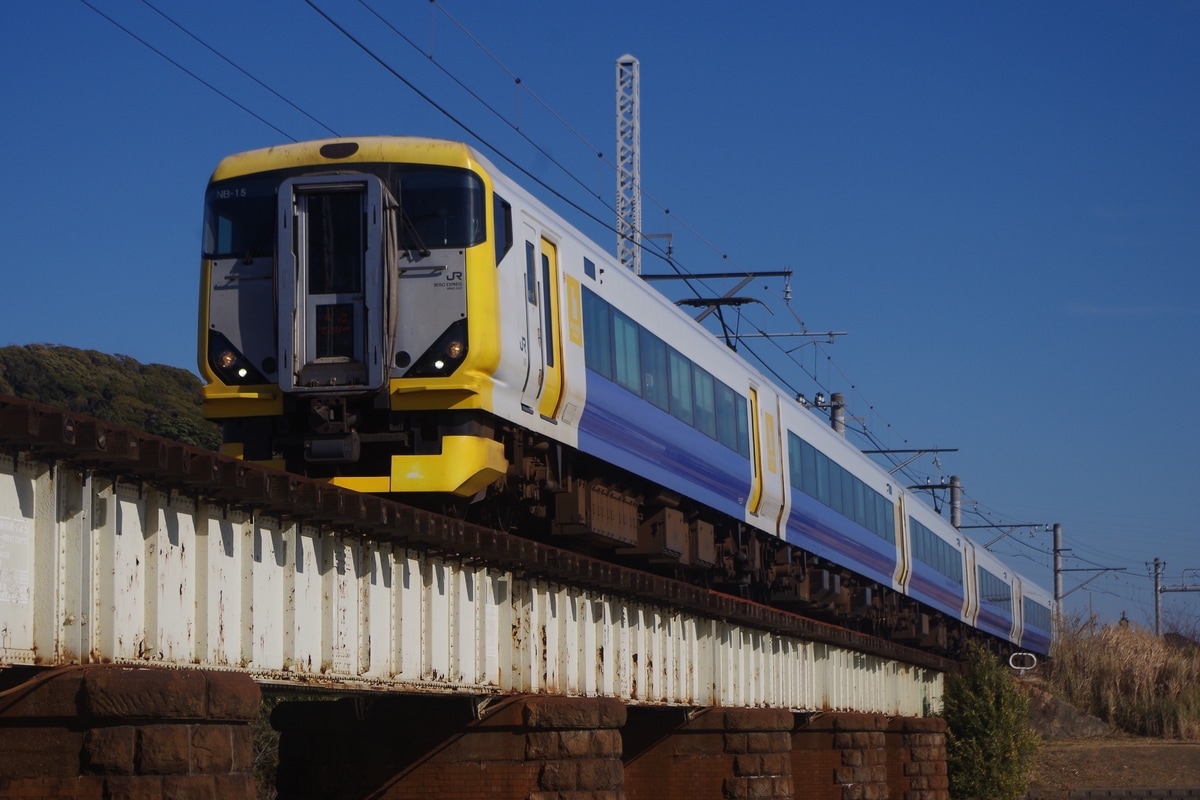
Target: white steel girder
column 97, row 570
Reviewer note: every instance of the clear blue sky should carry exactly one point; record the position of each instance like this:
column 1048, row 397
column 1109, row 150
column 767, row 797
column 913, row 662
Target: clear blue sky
column 999, row 202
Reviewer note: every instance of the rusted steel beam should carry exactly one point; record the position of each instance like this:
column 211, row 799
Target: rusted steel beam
column 53, row 434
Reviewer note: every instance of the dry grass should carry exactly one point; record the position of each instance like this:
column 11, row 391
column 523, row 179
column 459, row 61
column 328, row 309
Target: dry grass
column 1127, row 676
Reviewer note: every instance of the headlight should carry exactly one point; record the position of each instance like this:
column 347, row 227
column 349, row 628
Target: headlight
column 444, row 356
column 230, row 365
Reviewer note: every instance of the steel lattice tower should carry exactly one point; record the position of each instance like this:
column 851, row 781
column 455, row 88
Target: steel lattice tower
column 629, row 164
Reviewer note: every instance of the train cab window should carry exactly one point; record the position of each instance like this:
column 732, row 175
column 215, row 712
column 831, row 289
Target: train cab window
column 597, row 336
column 239, row 218
column 626, row 350
column 589, row 268
column 705, row 403
column 335, row 245
column 681, row 386
column 442, row 207
column 654, row 370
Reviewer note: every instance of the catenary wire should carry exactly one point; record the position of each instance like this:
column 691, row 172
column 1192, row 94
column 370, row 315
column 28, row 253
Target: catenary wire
column 186, row 71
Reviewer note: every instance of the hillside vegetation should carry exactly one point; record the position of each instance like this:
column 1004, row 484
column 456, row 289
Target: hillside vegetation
column 1138, row 682
column 161, row 400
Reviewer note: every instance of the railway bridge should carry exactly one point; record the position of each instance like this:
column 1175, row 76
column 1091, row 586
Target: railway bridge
column 151, row 593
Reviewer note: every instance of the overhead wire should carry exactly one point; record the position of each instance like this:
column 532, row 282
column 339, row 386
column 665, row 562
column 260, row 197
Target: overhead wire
column 186, row 71
column 221, row 56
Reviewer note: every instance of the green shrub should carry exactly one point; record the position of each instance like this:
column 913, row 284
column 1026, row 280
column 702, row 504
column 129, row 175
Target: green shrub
column 989, row 744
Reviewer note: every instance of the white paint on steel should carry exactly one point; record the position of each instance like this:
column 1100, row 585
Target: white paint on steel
column 92, row 570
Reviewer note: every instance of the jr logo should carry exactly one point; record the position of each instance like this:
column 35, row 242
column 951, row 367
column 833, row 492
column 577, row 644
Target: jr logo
column 450, row 280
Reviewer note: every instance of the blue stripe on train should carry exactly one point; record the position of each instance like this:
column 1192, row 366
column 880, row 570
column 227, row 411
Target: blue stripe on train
column 622, row 429
column 936, row 590
column 994, row 621
column 824, row 532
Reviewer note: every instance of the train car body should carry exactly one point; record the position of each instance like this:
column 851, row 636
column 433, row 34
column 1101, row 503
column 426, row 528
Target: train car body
column 395, row 315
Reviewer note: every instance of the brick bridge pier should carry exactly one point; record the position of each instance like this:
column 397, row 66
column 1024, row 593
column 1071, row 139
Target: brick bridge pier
column 115, row 732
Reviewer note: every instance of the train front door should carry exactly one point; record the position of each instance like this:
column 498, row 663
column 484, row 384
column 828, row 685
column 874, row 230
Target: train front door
column 330, row 284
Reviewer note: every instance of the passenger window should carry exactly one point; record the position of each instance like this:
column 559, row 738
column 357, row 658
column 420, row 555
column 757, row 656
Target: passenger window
column 741, row 415
column 654, row 371
column 625, row 339
column 706, row 413
column 681, row 386
column 726, row 417
column 597, row 334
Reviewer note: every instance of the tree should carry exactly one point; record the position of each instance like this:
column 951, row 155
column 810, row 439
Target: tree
column 989, row 744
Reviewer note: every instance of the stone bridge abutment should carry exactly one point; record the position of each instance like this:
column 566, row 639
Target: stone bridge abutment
column 108, row 732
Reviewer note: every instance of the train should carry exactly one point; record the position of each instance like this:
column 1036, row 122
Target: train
column 396, row 316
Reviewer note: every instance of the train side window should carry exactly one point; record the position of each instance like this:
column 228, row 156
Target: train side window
column 548, row 311
column 795, row 461
column 835, row 486
column 654, row 370
column 994, row 591
column 628, row 363
column 823, row 492
column 883, row 512
column 589, row 268
column 502, row 220
column 681, row 386
column 1036, row 614
column 860, row 504
column 848, row 482
column 808, row 469
column 726, row 417
column 706, row 411
column 597, row 334
column 530, row 274
column 742, row 420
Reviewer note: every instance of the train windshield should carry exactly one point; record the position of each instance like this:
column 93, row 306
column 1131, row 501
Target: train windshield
column 442, row 207
column 239, row 218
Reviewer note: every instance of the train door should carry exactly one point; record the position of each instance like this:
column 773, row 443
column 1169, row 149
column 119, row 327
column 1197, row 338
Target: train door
column 535, row 365
column 542, row 391
column 552, row 386
column 903, row 546
column 970, row 583
column 1018, row 610
column 774, row 483
column 754, row 502
column 330, row 283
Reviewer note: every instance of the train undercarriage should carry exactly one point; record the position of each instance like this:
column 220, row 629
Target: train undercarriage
column 555, row 494
column 560, row 496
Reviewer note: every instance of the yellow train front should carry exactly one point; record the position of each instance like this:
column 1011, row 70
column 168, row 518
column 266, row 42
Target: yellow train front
column 349, row 327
